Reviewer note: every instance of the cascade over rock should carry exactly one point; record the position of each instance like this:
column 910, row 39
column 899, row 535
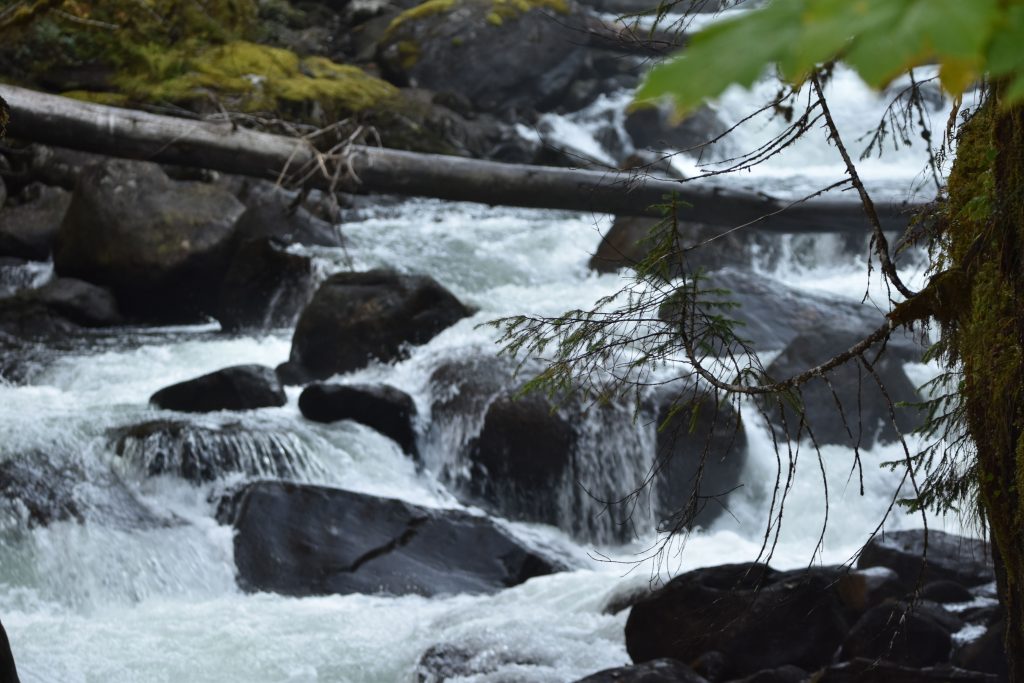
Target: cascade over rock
column 205, row 452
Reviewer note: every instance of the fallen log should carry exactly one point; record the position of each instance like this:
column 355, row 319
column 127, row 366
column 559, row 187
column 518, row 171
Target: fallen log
column 225, row 147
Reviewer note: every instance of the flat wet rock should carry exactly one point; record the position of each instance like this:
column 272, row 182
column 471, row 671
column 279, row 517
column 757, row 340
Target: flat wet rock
column 313, row 540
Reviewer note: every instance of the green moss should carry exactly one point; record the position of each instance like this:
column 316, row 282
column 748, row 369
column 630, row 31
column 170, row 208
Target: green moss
column 112, row 99
column 249, row 77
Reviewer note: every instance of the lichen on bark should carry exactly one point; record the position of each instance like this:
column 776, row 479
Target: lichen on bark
column 983, row 238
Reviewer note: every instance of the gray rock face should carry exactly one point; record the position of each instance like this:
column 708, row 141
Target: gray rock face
column 862, row 415
column 160, row 245
column 313, row 540
column 357, row 317
column 29, row 228
column 240, row 387
column 465, row 49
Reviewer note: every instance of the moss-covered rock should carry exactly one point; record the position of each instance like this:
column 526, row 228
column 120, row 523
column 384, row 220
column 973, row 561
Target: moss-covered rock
column 464, row 46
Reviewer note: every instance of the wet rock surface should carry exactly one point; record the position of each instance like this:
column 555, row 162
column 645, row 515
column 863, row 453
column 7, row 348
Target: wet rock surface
column 355, row 318
column 240, row 387
column 265, row 286
column 754, row 617
column 313, row 540
column 43, row 488
column 846, row 406
column 384, row 408
column 63, row 306
column 956, row 558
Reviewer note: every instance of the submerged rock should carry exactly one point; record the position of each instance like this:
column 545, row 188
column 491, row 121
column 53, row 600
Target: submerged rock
column 44, row 488
column 356, row 317
column 956, row 558
column 381, row 407
column 200, row 453
column 791, row 619
column 451, row 662
column 240, row 387
column 312, row 540
column 160, row 245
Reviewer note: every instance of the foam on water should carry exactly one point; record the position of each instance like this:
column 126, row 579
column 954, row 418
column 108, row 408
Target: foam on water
column 101, row 602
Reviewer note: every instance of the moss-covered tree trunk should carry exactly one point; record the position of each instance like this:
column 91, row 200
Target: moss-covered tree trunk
column 986, row 242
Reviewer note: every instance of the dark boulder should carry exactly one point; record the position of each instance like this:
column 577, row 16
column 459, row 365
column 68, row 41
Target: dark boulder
column 864, row 588
column 273, row 214
column 61, row 307
column 701, row 452
column 655, row 127
column 784, row 674
column 265, row 286
column 8, row 672
column 898, row 634
column 160, row 245
column 956, row 558
column 200, row 453
column 312, row 540
column 464, row 46
column 355, row 317
column 28, row 228
column 240, row 387
column 846, row 406
column 655, row 671
column 628, row 242
column 874, row 671
column 791, row 619
column 770, row 315
column 383, row 408
column 987, row 653
column 945, row 591
column 522, row 459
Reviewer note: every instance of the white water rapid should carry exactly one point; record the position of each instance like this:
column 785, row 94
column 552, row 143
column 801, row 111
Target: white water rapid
column 105, row 601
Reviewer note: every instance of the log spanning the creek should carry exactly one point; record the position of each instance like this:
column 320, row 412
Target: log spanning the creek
column 225, row 147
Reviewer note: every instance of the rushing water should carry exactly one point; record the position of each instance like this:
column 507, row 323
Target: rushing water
column 105, row 600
